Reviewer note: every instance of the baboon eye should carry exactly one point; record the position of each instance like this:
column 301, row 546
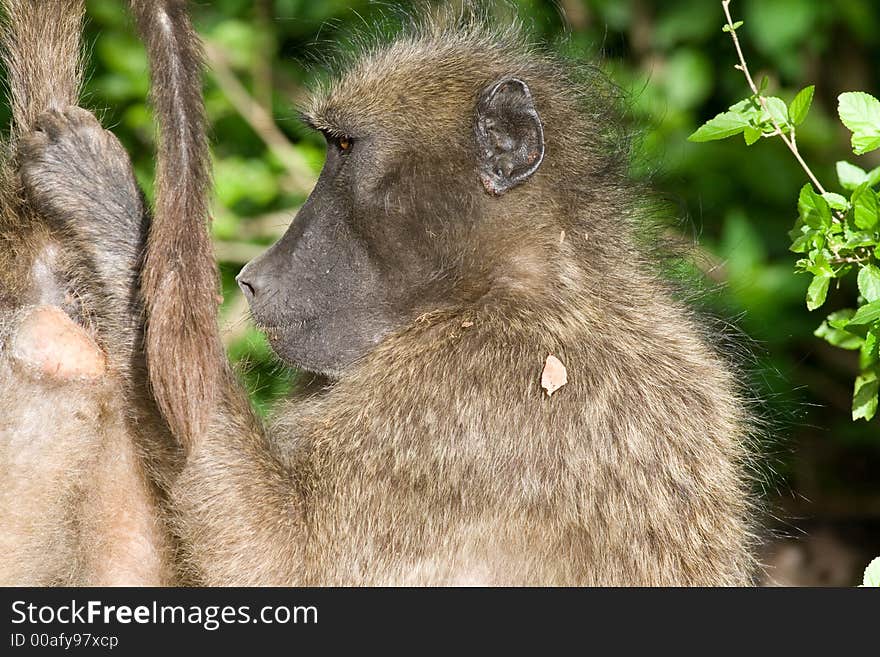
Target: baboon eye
column 339, row 141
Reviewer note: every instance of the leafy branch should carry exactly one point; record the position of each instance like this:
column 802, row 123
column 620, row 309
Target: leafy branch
column 800, row 105
column 835, row 235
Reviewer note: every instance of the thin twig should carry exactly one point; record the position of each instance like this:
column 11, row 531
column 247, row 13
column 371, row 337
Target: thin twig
column 742, row 66
column 848, row 260
column 860, row 255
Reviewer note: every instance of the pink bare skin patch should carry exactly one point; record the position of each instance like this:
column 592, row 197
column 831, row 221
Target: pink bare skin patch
column 51, row 343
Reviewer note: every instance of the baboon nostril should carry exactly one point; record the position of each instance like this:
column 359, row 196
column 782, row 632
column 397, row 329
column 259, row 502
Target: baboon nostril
column 246, row 287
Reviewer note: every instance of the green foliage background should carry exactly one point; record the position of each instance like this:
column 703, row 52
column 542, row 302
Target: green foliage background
column 677, row 66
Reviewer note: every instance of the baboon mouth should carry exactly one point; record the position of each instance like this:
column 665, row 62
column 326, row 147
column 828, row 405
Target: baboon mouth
column 275, row 331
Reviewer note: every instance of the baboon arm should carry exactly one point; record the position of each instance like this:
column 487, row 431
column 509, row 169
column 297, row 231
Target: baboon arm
column 240, row 511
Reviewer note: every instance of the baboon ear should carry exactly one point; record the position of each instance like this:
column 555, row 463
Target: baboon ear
column 510, row 137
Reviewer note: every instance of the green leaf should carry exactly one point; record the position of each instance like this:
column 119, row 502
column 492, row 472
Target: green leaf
column 872, row 573
column 813, row 209
column 873, row 177
column 799, row 107
column 840, row 318
column 853, row 235
column 817, row 291
column 860, row 112
column 751, row 135
column 864, row 404
column 864, row 318
column 728, row 28
column 858, row 239
column 818, row 265
column 836, row 201
column 869, row 282
column 836, row 336
column 777, row 109
column 865, row 207
column 722, row 126
column 803, row 243
column 868, row 353
column 736, row 119
column 850, row 175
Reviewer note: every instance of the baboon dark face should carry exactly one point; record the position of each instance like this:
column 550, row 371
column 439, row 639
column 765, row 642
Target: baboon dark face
column 394, row 217
column 318, row 293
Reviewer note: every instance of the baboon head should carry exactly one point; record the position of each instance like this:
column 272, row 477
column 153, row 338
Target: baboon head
column 442, row 182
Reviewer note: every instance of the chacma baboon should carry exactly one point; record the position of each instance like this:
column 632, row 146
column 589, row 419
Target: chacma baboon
column 473, row 218
column 81, row 443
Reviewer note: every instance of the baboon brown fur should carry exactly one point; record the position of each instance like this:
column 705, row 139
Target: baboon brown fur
column 473, row 217
column 433, row 456
column 84, row 452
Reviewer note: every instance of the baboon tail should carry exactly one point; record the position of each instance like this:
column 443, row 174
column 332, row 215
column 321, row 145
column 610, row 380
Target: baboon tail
column 180, row 280
column 42, row 52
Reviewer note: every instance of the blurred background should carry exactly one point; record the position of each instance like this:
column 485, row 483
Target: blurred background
column 820, row 470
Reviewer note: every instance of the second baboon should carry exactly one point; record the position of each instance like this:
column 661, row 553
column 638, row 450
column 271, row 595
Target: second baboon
column 84, row 454
column 473, row 218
